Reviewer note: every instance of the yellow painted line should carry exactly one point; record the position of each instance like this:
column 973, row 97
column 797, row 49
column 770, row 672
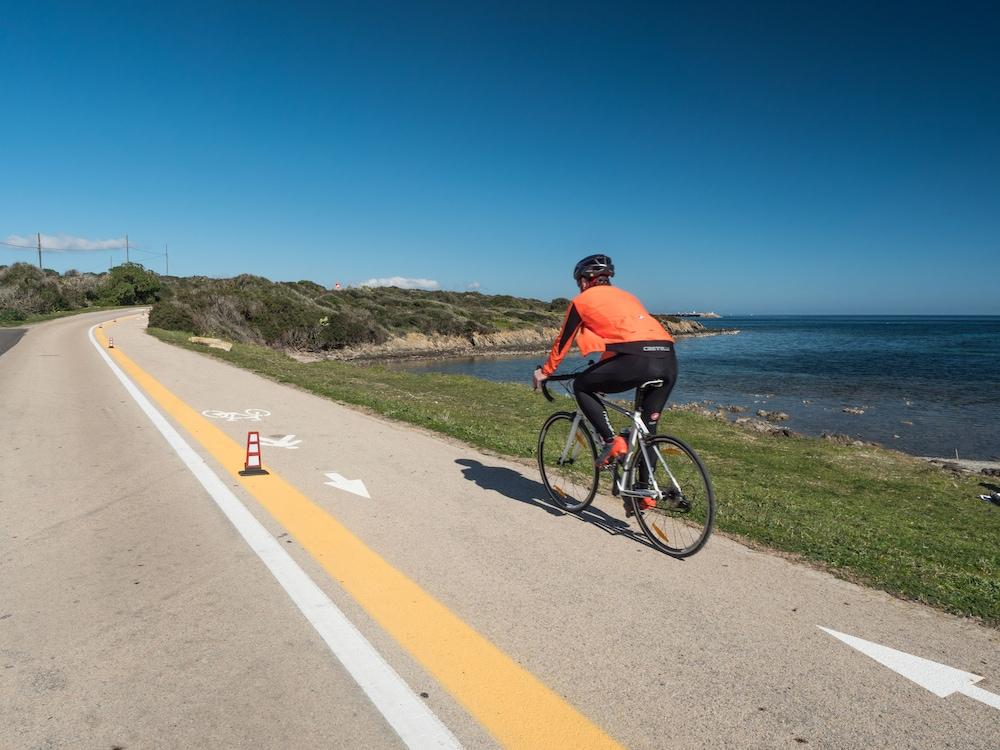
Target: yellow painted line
column 511, row 703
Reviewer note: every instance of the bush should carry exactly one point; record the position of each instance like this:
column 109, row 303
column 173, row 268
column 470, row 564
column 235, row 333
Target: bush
column 130, row 284
column 347, row 328
column 32, row 291
column 121, row 293
column 171, row 317
column 10, row 315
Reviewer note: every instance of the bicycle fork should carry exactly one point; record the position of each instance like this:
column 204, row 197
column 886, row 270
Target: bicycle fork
column 568, row 455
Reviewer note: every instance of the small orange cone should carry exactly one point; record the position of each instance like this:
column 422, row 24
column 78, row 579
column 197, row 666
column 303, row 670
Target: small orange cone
column 111, row 342
column 252, row 467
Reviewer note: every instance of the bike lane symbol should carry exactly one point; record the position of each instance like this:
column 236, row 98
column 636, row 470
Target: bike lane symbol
column 251, row 415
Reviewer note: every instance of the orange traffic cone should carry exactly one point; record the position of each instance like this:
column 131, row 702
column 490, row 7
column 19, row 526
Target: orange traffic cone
column 252, row 467
column 111, row 342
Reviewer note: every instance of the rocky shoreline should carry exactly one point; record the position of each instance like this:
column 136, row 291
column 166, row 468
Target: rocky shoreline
column 767, row 423
column 436, row 346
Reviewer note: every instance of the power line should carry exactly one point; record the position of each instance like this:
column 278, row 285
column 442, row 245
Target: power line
column 127, row 247
column 53, row 249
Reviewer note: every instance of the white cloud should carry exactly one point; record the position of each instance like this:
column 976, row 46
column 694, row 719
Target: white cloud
column 473, row 286
column 65, row 242
column 403, row 283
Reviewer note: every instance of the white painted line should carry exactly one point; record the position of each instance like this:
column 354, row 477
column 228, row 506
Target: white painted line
column 347, row 485
column 939, row 679
column 407, row 714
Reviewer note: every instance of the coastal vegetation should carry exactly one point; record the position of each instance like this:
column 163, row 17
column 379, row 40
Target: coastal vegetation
column 299, row 316
column 861, row 512
column 29, row 294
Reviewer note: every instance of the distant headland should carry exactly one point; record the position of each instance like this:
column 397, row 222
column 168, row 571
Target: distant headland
column 694, row 314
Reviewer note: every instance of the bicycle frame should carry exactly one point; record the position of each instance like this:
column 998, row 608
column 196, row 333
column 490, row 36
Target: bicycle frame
column 637, row 431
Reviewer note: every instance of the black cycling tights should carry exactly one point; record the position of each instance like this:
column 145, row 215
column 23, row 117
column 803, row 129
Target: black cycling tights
column 620, row 373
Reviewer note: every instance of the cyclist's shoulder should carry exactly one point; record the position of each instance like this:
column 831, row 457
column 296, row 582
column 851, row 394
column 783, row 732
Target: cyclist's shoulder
column 603, row 295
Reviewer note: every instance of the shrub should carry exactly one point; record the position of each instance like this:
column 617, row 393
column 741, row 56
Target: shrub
column 10, row 315
column 34, row 291
column 171, row 317
column 130, row 284
column 347, row 328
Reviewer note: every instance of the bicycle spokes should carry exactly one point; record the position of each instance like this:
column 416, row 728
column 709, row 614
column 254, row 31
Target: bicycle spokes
column 566, row 456
column 682, row 519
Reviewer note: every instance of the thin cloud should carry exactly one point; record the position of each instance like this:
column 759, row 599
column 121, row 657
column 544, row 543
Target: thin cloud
column 474, row 286
column 404, row 283
column 65, row 243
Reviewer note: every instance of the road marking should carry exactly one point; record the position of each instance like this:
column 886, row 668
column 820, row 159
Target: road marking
column 407, row 714
column 252, row 415
column 510, row 702
column 284, row 441
column 939, row 679
column 347, row 485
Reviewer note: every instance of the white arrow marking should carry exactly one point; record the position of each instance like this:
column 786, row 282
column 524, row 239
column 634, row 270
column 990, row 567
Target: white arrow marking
column 286, row 441
column 348, row 485
column 940, row 679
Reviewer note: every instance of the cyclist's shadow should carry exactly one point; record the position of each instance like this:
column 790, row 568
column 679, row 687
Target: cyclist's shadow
column 516, row 486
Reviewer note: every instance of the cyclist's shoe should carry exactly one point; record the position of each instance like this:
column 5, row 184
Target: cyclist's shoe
column 642, row 503
column 613, row 450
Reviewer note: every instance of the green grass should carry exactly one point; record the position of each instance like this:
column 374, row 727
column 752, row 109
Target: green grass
column 52, row 316
column 865, row 513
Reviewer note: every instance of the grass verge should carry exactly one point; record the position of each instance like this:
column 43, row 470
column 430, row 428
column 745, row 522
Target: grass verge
column 867, row 514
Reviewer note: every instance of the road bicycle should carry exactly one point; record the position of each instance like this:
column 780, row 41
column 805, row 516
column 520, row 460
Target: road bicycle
column 682, row 519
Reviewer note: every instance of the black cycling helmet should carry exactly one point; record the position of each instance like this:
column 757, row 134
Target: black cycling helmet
column 594, row 265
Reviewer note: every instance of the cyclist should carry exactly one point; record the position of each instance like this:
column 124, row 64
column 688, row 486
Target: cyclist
column 637, row 349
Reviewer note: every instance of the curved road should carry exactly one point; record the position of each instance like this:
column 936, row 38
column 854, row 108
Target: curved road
column 134, row 613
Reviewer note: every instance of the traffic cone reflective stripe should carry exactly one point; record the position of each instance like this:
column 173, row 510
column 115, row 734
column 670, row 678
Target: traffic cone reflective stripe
column 252, row 464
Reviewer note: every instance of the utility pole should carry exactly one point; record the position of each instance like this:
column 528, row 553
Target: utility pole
column 126, row 248
column 166, row 255
column 39, row 235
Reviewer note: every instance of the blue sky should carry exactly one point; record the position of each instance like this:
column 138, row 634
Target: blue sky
column 762, row 157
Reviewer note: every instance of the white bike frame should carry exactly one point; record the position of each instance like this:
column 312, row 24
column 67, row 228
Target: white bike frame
column 637, row 431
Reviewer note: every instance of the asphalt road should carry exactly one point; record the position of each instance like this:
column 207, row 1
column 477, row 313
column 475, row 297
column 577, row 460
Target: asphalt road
column 9, row 337
column 134, row 614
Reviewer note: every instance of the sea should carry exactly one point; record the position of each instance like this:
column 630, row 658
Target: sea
column 928, row 386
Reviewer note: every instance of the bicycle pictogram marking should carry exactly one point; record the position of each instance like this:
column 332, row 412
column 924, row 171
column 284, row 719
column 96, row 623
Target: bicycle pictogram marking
column 251, row 415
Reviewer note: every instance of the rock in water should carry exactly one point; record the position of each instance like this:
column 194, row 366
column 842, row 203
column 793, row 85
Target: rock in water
column 772, row 416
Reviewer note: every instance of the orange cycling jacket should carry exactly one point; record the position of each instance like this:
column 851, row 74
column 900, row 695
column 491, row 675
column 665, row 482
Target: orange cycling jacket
column 616, row 317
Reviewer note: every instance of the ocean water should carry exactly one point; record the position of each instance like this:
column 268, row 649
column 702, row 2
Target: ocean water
column 929, row 386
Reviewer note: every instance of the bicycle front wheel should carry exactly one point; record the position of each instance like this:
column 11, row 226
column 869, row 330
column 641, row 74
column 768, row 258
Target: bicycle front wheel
column 682, row 519
column 566, row 457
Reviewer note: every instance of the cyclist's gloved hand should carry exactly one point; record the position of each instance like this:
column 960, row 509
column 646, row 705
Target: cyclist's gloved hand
column 537, row 377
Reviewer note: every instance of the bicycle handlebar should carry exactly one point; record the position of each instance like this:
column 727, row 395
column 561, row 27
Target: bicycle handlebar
column 545, row 390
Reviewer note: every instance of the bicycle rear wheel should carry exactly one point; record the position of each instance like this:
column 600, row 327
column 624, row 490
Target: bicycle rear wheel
column 566, row 462
column 682, row 520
